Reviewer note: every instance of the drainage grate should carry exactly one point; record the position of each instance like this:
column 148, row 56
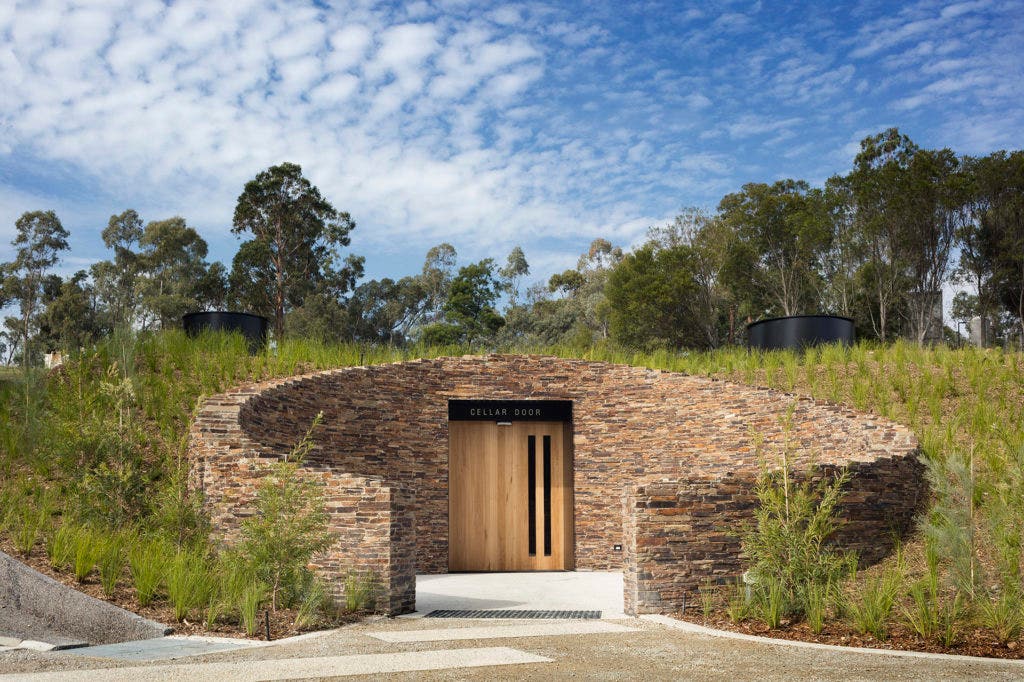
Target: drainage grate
column 508, row 613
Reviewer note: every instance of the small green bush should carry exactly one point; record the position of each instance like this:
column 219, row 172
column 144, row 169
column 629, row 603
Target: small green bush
column 252, row 596
column 147, row 560
column 1002, row 615
column 360, row 591
column 787, row 543
column 89, row 547
column 290, row 526
column 111, row 563
column 62, row 546
column 189, row 582
column 871, row 609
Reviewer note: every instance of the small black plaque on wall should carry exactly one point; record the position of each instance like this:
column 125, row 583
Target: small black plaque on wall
column 510, row 410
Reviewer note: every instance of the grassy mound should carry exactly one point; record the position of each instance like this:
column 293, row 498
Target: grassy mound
column 99, row 446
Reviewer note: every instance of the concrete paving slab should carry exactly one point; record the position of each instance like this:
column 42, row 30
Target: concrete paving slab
column 165, row 648
column 548, row 629
column 548, row 590
column 33, row 645
column 298, row 668
column 10, row 641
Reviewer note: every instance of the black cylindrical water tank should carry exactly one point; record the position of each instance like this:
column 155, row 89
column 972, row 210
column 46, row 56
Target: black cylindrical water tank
column 799, row 331
column 252, row 327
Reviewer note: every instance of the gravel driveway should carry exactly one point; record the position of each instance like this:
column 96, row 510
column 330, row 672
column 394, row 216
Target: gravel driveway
column 651, row 651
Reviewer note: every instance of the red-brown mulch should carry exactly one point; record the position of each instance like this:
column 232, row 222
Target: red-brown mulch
column 282, row 622
column 972, row 642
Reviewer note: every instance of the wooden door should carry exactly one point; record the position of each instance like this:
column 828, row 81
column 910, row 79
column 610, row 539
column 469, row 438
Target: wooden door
column 510, row 496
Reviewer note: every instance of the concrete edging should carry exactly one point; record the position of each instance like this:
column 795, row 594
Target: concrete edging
column 711, row 632
column 37, row 607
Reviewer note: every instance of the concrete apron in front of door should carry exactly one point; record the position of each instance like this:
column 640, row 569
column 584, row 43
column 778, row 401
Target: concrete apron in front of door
column 522, row 591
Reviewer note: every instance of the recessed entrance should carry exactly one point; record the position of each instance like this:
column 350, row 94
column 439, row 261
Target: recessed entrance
column 510, row 491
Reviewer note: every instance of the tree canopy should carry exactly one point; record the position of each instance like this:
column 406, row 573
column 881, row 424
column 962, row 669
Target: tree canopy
column 294, row 249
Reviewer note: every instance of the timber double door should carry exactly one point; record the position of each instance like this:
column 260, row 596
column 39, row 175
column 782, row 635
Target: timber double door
column 510, row 496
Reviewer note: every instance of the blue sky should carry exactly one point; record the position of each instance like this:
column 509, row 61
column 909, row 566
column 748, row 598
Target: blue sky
column 484, row 125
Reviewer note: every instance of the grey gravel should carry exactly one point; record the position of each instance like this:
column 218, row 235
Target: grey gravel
column 651, row 652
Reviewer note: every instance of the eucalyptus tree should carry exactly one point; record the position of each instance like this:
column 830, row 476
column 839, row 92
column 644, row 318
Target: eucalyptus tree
column 39, row 239
column 705, row 239
column 71, row 317
column 469, row 312
column 294, row 250
column 935, row 191
column 878, row 183
column 174, row 275
column 844, row 256
column 1006, row 221
column 976, row 240
column 654, row 299
column 117, row 281
column 781, row 233
column 516, row 267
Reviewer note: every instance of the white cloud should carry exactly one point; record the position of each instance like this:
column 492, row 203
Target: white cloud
column 481, row 125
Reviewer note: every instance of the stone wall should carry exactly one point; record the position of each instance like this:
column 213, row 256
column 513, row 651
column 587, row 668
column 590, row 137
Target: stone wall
column 373, row 521
column 630, row 426
column 683, row 534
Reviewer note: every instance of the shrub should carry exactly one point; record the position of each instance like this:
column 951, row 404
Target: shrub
column 62, row 546
column 89, row 546
column 786, row 544
column 289, row 526
column 188, row 582
column 111, row 563
column 254, row 594
column 1002, row 615
column 871, row 609
column 147, row 560
column 360, row 591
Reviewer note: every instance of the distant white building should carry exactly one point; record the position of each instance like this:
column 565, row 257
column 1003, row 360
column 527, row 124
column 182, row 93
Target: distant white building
column 53, row 359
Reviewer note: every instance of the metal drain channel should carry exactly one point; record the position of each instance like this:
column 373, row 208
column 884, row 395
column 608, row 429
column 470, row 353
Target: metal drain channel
column 508, row 613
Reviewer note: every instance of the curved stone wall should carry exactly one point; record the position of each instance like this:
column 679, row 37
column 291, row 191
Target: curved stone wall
column 632, row 428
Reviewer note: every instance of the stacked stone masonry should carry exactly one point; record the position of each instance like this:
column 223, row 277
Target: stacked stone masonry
column 664, row 464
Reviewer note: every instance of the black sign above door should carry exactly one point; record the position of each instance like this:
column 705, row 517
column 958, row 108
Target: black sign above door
column 510, row 410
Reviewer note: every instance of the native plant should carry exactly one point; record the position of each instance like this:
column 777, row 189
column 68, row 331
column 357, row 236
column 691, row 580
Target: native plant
column 290, row 525
column 871, row 608
column 89, row 546
column 249, row 601
column 787, row 544
column 147, row 560
column 360, row 591
column 61, row 546
column 708, row 596
column 111, row 562
column 188, row 582
column 315, row 601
